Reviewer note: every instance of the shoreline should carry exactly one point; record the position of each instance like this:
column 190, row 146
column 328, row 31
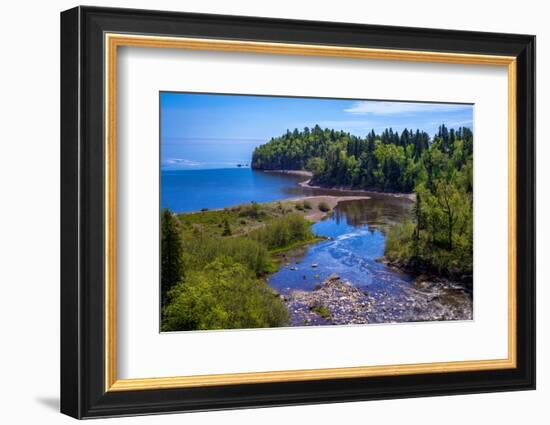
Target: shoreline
column 423, row 276
column 312, row 215
column 306, row 184
column 301, row 173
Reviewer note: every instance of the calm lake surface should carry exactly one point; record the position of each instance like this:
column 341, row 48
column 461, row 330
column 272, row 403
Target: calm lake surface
column 192, row 190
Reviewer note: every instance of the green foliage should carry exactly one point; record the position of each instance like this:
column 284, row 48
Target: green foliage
column 201, row 249
column 171, row 252
column 223, row 286
column 441, row 240
column 226, row 228
column 253, row 210
column 388, row 161
column 323, row 206
column 315, row 165
column 296, row 150
column 223, row 295
column 439, row 171
column 302, row 205
column 321, row 310
column 283, row 232
column 398, row 240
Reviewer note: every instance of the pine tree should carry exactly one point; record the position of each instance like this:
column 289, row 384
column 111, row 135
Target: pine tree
column 171, row 253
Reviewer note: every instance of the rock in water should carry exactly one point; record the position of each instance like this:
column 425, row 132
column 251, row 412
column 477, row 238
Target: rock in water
column 334, row 301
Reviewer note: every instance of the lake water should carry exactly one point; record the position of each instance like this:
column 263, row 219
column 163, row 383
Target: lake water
column 192, row 190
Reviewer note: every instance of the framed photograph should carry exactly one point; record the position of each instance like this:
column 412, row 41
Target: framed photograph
column 261, row 212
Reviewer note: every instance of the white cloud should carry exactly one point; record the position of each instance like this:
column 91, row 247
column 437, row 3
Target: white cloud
column 182, row 162
column 366, row 107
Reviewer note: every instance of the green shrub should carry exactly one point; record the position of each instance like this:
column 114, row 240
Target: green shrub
column 253, row 210
column 323, row 206
column 307, row 205
column 283, row 231
column 321, row 310
column 226, row 228
column 200, row 250
column 399, row 241
column 224, row 295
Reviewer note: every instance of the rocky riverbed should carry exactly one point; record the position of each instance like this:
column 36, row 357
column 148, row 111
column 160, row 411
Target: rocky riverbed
column 337, row 302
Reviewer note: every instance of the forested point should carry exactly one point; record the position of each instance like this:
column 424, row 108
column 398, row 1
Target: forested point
column 438, row 169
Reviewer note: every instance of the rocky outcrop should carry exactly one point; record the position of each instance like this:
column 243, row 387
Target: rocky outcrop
column 335, row 301
column 338, row 302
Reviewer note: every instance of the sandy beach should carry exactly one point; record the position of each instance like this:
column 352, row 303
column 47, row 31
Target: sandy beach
column 302, row 173
column 306, row 184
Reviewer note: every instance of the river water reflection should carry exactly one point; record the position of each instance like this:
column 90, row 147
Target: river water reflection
column 355, row 235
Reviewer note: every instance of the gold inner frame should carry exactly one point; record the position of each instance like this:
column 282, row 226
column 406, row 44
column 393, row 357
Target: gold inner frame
column 113, row 41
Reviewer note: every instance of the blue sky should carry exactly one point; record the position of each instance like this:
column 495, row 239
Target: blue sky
column 200, row 131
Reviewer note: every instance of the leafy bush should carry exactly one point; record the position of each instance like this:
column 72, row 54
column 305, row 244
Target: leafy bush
column 323, row 206
column 321, row 310
column 307, row 205
column 441, row 239
column 253, row 210
column 225, row 295
column 399, row 241
column 283, row 231
column 200, row 250
column 226, row 228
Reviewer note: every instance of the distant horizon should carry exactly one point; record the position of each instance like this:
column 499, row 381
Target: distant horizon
column 214, row 131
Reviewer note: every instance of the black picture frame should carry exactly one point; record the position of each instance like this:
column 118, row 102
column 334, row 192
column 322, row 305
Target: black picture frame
column 83, row 392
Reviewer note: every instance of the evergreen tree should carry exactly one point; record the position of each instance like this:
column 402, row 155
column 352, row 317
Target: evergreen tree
column 171, row 253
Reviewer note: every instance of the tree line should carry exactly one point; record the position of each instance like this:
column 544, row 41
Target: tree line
column 389, row 161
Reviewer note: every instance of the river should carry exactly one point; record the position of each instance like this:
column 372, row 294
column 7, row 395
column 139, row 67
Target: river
column 350, row 254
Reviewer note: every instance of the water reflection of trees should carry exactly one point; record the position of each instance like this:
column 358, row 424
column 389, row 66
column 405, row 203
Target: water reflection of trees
column 378, row 213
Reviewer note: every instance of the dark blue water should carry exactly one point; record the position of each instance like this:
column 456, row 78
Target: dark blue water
column 350, row 252
column 193, row 190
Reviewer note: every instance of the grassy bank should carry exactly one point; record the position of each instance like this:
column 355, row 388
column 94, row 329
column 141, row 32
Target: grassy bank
column 223, row 259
